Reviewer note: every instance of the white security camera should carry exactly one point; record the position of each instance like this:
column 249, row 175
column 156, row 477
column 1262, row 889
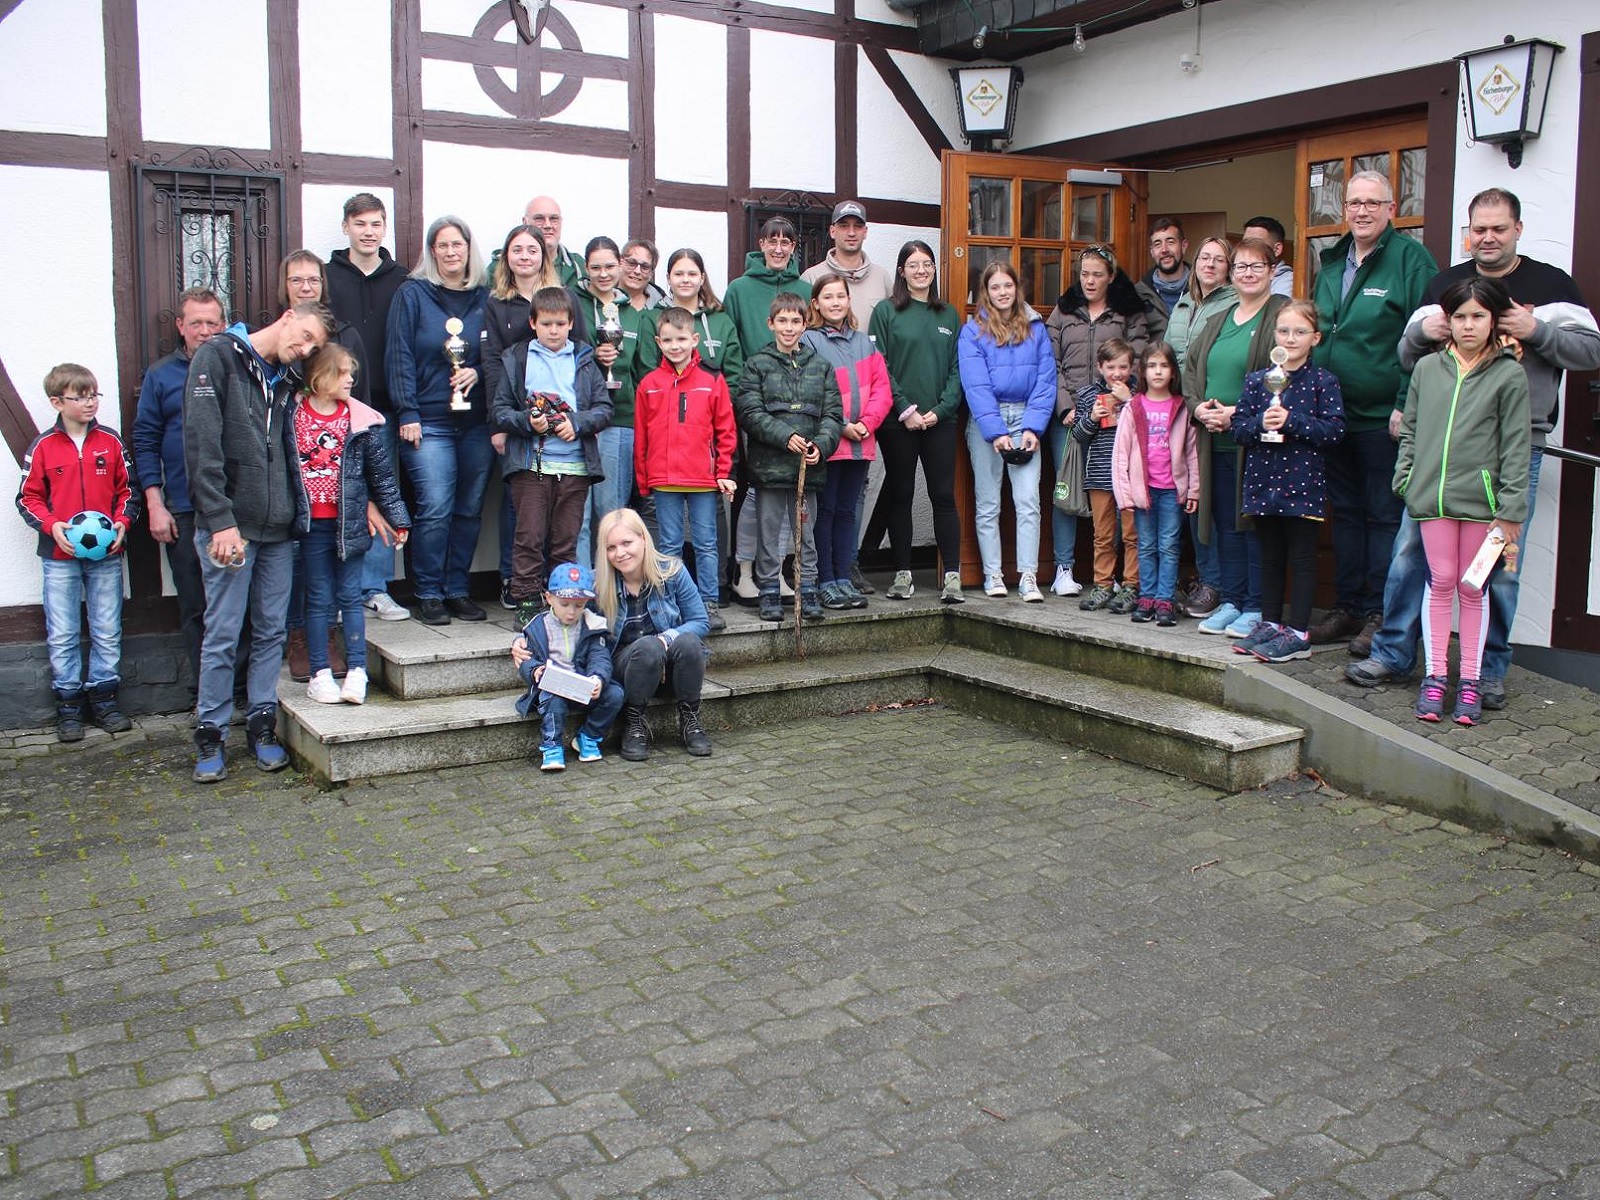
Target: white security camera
column 1189, row 62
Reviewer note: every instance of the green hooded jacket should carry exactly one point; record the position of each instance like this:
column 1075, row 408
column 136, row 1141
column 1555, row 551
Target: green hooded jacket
column 748, row 299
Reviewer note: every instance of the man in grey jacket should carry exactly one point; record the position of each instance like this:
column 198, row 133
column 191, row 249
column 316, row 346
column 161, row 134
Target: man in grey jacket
column 238, row 449
column 1558, row 334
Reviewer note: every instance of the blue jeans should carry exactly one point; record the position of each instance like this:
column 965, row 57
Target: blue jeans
column 700, row 509
column 1206, row 565
column 598, row 717
column 449, row 473
column 1158, row 527
column 1238, row 552
column 839, row 518
column 1395, row 645
column 261, row 588
column 1064, row 529
column 987, row 471
column 1366, row 516
column 378, row 564
column 332, row 585
column 614, row 491
column 70, row 585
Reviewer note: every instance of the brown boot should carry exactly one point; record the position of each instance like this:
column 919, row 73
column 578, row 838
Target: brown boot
column 336, row 652
column 299, row 656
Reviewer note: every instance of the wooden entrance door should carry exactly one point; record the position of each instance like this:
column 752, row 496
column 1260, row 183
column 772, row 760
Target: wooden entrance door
column 1036, row 213
column 1325, row 163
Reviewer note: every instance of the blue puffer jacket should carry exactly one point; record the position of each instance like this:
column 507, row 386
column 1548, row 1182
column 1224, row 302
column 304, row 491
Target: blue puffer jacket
column 1022, row 373
column 675, row 606
column 591, row 656
column 365, row 473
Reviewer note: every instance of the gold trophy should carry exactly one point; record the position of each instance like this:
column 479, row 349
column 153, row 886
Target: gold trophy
column 610, row 333
column 1276, row 381
column 455, row 350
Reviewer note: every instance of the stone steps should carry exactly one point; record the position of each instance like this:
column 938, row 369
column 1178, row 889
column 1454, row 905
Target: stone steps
column 442, row 696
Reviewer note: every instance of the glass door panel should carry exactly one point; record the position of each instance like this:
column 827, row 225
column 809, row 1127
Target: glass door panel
column 989, row 207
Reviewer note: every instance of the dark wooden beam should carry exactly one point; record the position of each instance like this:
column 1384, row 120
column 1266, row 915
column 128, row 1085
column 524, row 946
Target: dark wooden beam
column 641, row 124
column 283, row 82
column 406, row 100
column 52, row 150
column 738, row 144
column 482, row 52
column 900, row 88
column 16, row 422
column 844, row 120
column 504, row 133
column 356, row 170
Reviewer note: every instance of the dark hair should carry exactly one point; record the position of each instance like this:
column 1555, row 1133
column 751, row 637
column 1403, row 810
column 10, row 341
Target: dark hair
column 321, row 312
column 65, row 377
column 814, row 314
column 1160, row 223
column 1271, row 224
column 198, row 295
column 502, row 284
column 364, row 202
column 900, row 293
column 600, row 243
column 1494, row 197
column 554, row 300
column 777, row 227
column 1113, row 348
column 1165, row 351
column 708, row 298
column 786, row 302
column 1487, row 291
column 677, row 317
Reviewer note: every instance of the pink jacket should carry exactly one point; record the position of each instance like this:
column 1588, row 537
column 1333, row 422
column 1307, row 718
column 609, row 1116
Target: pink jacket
column 1127, row 462
column 863, row 386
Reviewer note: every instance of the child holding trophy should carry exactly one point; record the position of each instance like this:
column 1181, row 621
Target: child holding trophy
column 1288, row 415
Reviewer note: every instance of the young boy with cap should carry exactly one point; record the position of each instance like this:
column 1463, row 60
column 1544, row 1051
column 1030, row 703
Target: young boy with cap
column 570, row 645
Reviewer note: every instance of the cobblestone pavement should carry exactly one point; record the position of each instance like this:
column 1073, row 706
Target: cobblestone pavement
column 1548, row 735
column 904, row 954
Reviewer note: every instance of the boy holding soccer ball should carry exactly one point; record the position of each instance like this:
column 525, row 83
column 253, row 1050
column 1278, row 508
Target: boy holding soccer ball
column 76, row 473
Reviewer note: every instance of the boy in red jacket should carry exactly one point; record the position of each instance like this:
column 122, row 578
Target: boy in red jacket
column 72, row 467
column 683, row 441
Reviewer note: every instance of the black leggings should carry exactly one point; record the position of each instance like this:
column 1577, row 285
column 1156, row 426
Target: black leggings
column 936, row 448
column 643, row 664
column 1291, row 542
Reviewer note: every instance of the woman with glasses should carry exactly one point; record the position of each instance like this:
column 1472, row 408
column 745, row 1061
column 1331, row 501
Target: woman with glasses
column 446, row 451
column 639, row 259
column 1102, row 303
column 1228, row 347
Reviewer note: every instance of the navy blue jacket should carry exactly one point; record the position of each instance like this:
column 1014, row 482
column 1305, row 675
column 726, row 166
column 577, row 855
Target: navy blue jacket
column 1289, row 478
column 158, row 432
column 591, row 656
column 509, row 411
column 365, row 473
column 414, row 359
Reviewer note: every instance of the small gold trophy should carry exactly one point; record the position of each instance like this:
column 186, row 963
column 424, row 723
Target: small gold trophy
column 455, row 350
column 1276, row 381
column 610, row 333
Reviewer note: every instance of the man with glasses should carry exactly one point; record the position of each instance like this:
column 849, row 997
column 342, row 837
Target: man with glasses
column 544, row 214
column 1369, row 283
column 1557, row 333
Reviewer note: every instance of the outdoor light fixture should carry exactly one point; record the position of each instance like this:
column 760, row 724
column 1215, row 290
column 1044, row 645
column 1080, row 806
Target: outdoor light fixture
column 1507, row 87
column 1078, row 43
column 986, row 101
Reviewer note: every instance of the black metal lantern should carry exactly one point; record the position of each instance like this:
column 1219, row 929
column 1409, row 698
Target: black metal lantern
column 986, row 101
column 1507, row 88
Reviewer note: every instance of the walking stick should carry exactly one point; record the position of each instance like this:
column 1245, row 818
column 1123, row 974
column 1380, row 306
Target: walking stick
column 799, row 516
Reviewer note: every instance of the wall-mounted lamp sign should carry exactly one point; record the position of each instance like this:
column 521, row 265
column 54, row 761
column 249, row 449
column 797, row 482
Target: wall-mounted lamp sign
column 1507, row 87
column 986, row 100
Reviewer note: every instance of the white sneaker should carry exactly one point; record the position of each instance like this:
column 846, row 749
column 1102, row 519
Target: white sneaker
column 384, row 606
column 323, row 688
column 1028, row 588
column 744, row 583
column 1065, row 584
column 355, row 686
column 995, row 585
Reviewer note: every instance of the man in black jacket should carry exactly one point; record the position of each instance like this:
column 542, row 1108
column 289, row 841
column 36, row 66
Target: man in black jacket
column 238, row 450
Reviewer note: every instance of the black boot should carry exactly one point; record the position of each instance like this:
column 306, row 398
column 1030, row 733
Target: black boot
column 811, row 603
column 691, row 732
column 771, row 606
column 104, row 710
column 69, row 716
column 635, row 734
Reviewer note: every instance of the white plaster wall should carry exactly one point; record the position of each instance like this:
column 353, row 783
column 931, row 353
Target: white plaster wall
column 820, row 6
column 226, row 110
column 600, row 30
column 706, row 232
column 451, row 16
column 884, row 241
column 79, row 282
column 322, row 211
column 691, row 151
column 892, row 159
column 931, row 79
column 599, row 104
column 783, row 66
column 54, row 76
column 345, row 78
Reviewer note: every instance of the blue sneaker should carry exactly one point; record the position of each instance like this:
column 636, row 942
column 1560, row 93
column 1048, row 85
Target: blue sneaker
column 1285, row 647
column 261, row 732
column 209, row 763
column 1225, row 615
column 1263, row 633
column 1244, row 625
column 551, row 758
column 588, row 748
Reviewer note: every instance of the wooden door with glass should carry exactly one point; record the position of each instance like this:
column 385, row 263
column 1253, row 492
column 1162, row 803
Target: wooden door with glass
column 1038, row 214
column 1324, row 165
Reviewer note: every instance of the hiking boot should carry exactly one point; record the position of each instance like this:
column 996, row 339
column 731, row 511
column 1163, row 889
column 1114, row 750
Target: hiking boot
column 902, row 588
column 552, row 758
column 588, row 748
column 811, row 603
column 1361, row 644
column 635, row 734
column 299, row 656
column 1339, row 625
column 1469, row 703
column 1166, row 614
column 209, row 762
column 834, row 595
column 104, row 710
column 1065, row 584
column 261, row 735
column 951, row 594
column 69, row 716
column 1369, row 672
column 1430, row 698
column 1099, row 597
column 1144, row 610
column 1493, row 693
column 859, row 581
column 715, row 619
column 1201, row 600
column 691, row 732
column 857, row 598
column 1124, row 602
column 1028, row 588
column 771, row 606
column 1285, row 647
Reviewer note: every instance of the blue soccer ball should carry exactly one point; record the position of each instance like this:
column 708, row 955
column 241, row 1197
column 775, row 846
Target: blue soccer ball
column 91, row 534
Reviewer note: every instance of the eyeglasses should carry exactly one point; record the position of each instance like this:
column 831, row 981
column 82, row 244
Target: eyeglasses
column 1368, row 205
column 1104, row 253
column 1291, row 334
column 85, row 398
column 443, row 247
column 1249, row 268
column 304, row 280
column 633, row 264
column 778, row 241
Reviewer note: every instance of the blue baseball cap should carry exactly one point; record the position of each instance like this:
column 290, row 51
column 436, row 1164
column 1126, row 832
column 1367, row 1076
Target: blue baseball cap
column 571, row 581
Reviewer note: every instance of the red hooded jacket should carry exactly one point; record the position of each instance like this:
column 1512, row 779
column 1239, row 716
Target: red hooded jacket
column 58, row 482
column 683, row 429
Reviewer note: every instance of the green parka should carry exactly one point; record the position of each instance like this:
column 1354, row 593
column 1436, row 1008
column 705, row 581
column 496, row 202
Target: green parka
column 781, row 395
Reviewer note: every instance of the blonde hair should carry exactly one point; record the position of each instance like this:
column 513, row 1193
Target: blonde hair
column 1302, row 308
column 1011, row 328
column 325, row 367
column 657, row 568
